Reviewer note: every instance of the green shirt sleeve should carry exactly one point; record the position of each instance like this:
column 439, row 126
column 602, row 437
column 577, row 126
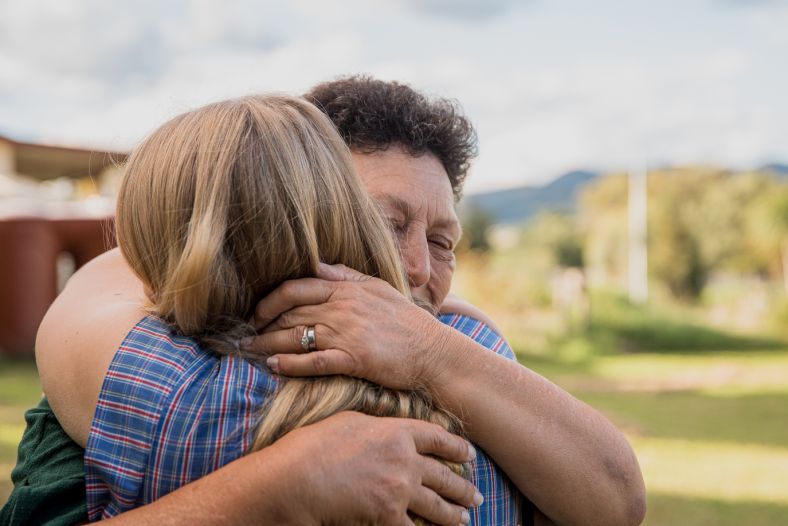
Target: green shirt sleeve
column 49, row 477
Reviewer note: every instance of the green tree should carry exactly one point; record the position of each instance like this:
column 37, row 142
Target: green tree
column 675, row 238
column 476, row 224
column 602, row 219
column 697, row 225
column 768, row 229
column 558, row 236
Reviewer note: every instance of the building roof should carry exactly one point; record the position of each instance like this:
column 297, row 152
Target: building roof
column 46, row 161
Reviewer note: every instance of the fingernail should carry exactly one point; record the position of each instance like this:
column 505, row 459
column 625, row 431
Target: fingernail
column 273, row 363
column 465, row 518
column 246, row 343
column 471, row 452
column 477, row 499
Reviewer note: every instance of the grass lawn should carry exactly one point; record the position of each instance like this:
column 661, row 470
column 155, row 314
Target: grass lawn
column 19, row 390
column 710, row 430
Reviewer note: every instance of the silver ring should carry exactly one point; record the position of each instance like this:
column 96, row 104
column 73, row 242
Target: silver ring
column 308, row 342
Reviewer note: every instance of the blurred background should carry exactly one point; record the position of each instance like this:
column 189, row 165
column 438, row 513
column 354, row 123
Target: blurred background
column 626, row 222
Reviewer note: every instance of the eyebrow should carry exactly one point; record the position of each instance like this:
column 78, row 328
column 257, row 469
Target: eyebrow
column 402, row 206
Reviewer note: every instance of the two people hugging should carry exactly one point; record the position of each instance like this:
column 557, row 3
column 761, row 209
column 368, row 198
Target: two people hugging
column 274, row 341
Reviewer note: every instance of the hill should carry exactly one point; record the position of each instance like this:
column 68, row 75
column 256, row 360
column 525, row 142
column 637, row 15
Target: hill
column 776, row 168
column 514, row 205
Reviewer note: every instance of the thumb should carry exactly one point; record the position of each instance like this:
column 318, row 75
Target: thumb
column 339, row 273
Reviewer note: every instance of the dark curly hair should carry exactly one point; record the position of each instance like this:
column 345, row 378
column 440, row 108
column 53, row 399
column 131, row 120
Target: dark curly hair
column 372, row 115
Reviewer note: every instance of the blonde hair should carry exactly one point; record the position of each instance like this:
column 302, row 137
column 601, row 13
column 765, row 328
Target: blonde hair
column 222, row 204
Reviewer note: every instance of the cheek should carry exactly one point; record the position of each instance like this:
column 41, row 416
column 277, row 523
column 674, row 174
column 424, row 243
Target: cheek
column 441, row 273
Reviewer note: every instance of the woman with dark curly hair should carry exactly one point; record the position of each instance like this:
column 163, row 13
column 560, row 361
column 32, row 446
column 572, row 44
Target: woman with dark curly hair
column 548, row 445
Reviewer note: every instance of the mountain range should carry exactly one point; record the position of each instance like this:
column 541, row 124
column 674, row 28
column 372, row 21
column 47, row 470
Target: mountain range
column 515, row 205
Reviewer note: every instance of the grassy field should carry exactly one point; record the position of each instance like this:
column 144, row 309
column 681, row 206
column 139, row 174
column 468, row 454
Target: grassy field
column 710, row 430
column 19, row 390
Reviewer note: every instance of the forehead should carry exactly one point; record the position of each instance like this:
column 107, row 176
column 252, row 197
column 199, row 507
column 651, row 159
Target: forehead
column 396, row 179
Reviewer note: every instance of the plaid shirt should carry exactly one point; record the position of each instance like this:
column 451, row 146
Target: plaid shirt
column 171, row 412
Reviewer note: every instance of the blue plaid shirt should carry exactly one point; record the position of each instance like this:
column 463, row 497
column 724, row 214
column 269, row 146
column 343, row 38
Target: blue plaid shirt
column 171, row 412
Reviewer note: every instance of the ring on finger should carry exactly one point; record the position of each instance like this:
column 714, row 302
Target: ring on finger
column 308, row 341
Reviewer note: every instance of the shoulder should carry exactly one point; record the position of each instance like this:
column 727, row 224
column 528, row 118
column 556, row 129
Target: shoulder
column 163, row 372
column 457, row 305
column 79, row 334
column 169, row 412
column 480, row 332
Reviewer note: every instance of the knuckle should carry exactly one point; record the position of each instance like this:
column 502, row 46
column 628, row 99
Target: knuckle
column 288, row 288
column 404, row 431
column 295, row 335
column 397, row 484
column 322, row 334
column 437, row 440
column 260, row 313
column 388, row 507
column 358, row 309
column 260, row 344
column 439, row 509
column 444, row 480
column 320, row 363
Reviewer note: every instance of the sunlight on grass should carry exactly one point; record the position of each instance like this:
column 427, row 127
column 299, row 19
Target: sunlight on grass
column 681, row 510
column 10, row 434
column 714, row 470
column 691, row 415
column 721, row 373
column 18, row 382
column 19, row 391
column 5, row 479
column 709, row 429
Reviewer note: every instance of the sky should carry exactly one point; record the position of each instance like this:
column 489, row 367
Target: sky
column 551, row 85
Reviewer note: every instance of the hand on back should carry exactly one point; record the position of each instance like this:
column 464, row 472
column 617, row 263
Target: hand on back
column 357, row 469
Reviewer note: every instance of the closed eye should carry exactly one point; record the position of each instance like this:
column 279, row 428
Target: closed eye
column 442, row 242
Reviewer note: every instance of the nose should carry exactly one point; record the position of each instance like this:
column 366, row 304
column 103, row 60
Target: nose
column 416, row 256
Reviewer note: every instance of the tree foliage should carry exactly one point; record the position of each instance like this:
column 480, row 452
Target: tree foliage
column 700, row 221
column 557, row 236
column 476, row 224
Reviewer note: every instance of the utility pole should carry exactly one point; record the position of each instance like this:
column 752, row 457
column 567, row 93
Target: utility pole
column 638, row 250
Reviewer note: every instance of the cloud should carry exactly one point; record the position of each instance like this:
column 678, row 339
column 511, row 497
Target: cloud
column 752, row 3
column 463, row 9
column 551, row 87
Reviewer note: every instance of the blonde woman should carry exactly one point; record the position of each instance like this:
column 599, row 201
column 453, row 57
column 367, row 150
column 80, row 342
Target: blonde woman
column 218, row 207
